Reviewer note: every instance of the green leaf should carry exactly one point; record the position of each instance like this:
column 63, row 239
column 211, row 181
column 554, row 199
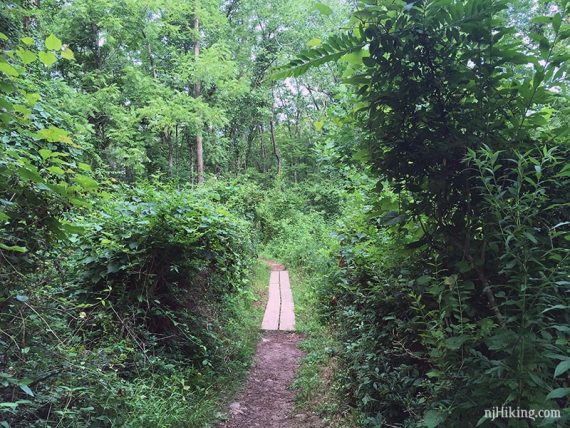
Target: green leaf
column 68, row 54
column 21, row 109
column 14, row 404
column 531, row 237
column 433, row 418
column 541, row 40
column 27, row 41
column 456, row 342
column 354, row 58
column 562, row 368
column 537, row 79
column 314, row 43
column 3, row 36
column 331, row 50
column 423, row 280
column 47, row 58
column 32, row 98
column 56, row 170
column 553, row 308
column 323, row 9
column 72, row 228
column 558, row 393
column 26, row 56
column 54, row 135
column 53, row 43
column 26, row 389
column 541, row 19
column 45, row 153
column 86, row 182
column 15, row 248
column 434, row 373
column 556, row 22
column 9, row 405
column 481, row 420
column 84, row 166
column 8, row 70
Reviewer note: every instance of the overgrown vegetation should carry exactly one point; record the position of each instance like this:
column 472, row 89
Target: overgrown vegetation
column 451, row 297
column 415, row 184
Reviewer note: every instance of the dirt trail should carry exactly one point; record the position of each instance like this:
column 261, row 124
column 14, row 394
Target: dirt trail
column 267, row 400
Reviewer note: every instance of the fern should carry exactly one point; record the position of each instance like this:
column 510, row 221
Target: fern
column 333, row 49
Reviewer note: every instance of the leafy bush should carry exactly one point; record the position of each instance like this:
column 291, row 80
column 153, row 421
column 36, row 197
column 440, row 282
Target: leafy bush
column 148, row 322
column 42, row 169
column 158, row 255
column 453, row 300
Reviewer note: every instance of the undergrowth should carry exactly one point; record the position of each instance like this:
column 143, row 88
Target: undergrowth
column 157, row 328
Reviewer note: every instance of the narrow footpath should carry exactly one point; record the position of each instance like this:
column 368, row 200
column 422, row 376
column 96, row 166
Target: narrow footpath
column 267, row 400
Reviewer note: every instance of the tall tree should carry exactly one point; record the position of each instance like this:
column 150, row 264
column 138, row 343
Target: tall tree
column 197, row 94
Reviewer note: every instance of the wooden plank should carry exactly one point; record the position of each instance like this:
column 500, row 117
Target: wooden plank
column 271, row 316
column 284, row 278
column 287, row 314
column 274, row 278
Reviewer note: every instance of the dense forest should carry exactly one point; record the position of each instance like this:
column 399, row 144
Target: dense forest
column 407, row 160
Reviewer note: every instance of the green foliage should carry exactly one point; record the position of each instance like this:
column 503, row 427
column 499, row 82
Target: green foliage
column 41, row 173
column 417, row 188
column 165, row 251
column 139, row 321
column 457, row 287
column 333, row 49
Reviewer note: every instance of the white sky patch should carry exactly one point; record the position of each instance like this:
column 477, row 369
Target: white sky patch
column 295, row 88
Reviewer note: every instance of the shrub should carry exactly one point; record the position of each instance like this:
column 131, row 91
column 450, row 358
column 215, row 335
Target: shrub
column 139, row 325
column 158, row 255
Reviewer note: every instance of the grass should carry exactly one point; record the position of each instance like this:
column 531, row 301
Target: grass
column 243, row 333
column 200, row 399
column 316, row 388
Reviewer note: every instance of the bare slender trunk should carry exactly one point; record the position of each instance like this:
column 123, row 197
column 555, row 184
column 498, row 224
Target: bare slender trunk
column 31, row 21
column 200, row 158
column 273, row 140
column 167, row 139
column 249, row 139
column 176, row 143
column 96, row 47
column 197, row 93
column 313, row 98
column 263, row 151
column 150, row 55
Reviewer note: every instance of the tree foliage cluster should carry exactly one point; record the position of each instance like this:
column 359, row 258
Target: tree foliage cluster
column 126, row 294
column 464, row 107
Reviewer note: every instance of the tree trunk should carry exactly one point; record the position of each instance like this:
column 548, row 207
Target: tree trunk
column 262, row 149
column 197, row 93
column 249, row 139
column 273, row 140
column 150, row 55
column 176, row 144
column 30, row 21
column 167, row 139
column 96, row 47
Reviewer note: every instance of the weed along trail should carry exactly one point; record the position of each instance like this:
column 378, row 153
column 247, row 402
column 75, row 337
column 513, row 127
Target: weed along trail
column 267, row 399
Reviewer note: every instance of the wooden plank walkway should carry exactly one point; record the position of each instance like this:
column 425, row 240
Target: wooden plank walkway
column 280, row 310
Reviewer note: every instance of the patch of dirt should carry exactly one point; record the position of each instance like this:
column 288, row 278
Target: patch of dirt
column 267, row 400
column 273, row 264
